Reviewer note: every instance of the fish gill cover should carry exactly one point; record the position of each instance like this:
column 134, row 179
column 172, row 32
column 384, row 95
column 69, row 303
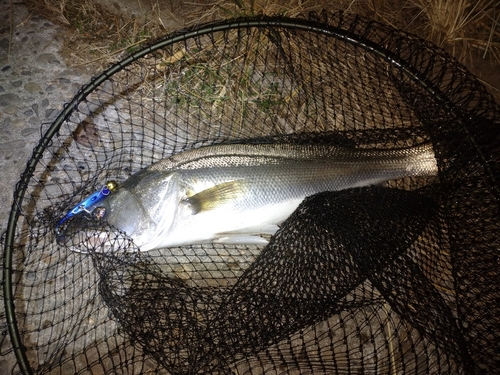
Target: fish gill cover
column 396, row 278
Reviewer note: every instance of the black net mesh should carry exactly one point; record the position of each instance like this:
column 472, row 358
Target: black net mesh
column 400, row 278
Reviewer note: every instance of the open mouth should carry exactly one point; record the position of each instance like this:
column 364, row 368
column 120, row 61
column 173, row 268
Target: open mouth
column 85, row 233
column 100, row 237
column 86, row 241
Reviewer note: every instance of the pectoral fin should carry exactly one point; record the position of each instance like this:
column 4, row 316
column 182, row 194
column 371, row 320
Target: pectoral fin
column 215, row 196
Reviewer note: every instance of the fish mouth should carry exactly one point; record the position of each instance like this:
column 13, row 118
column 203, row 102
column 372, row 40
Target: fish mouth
column 86, row 234
column 86, row 241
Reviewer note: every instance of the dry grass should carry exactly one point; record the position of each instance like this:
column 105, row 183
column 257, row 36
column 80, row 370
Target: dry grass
column 96, row 36
column 468, row 29
column 220, row 9
column 462, row 26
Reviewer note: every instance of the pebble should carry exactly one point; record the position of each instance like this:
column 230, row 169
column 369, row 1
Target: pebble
column 30, row 131
column 51, row 113
column 8, row 99
column 11, row 109
column 33, row 88
column 19, row 122
column 7, row 122
column 14, row 145
column 35, row 121
column 4, row 43
column 46, row 58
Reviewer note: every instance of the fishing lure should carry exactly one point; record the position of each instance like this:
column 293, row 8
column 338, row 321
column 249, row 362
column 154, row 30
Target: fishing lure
column 88, row 202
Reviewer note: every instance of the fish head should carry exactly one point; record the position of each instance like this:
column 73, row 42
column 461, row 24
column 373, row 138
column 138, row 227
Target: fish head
column 136, row 214
column 95, row 228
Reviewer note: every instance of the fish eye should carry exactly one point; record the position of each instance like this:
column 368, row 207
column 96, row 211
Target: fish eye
column 99, row 212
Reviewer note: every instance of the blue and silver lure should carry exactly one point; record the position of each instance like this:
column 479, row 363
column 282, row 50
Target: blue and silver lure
column 88, row 203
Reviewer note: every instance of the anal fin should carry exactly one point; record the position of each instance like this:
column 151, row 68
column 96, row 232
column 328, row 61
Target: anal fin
column 248, row 236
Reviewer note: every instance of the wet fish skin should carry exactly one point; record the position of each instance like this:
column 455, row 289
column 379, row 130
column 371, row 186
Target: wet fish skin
column 232, row 193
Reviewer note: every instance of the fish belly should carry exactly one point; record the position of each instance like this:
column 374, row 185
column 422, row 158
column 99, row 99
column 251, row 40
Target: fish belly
column 230, row 225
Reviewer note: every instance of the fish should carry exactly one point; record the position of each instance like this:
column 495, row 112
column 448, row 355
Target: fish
column 235, row 193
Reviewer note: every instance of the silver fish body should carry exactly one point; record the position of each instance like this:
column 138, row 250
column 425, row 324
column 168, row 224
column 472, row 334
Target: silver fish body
column 234, row 193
